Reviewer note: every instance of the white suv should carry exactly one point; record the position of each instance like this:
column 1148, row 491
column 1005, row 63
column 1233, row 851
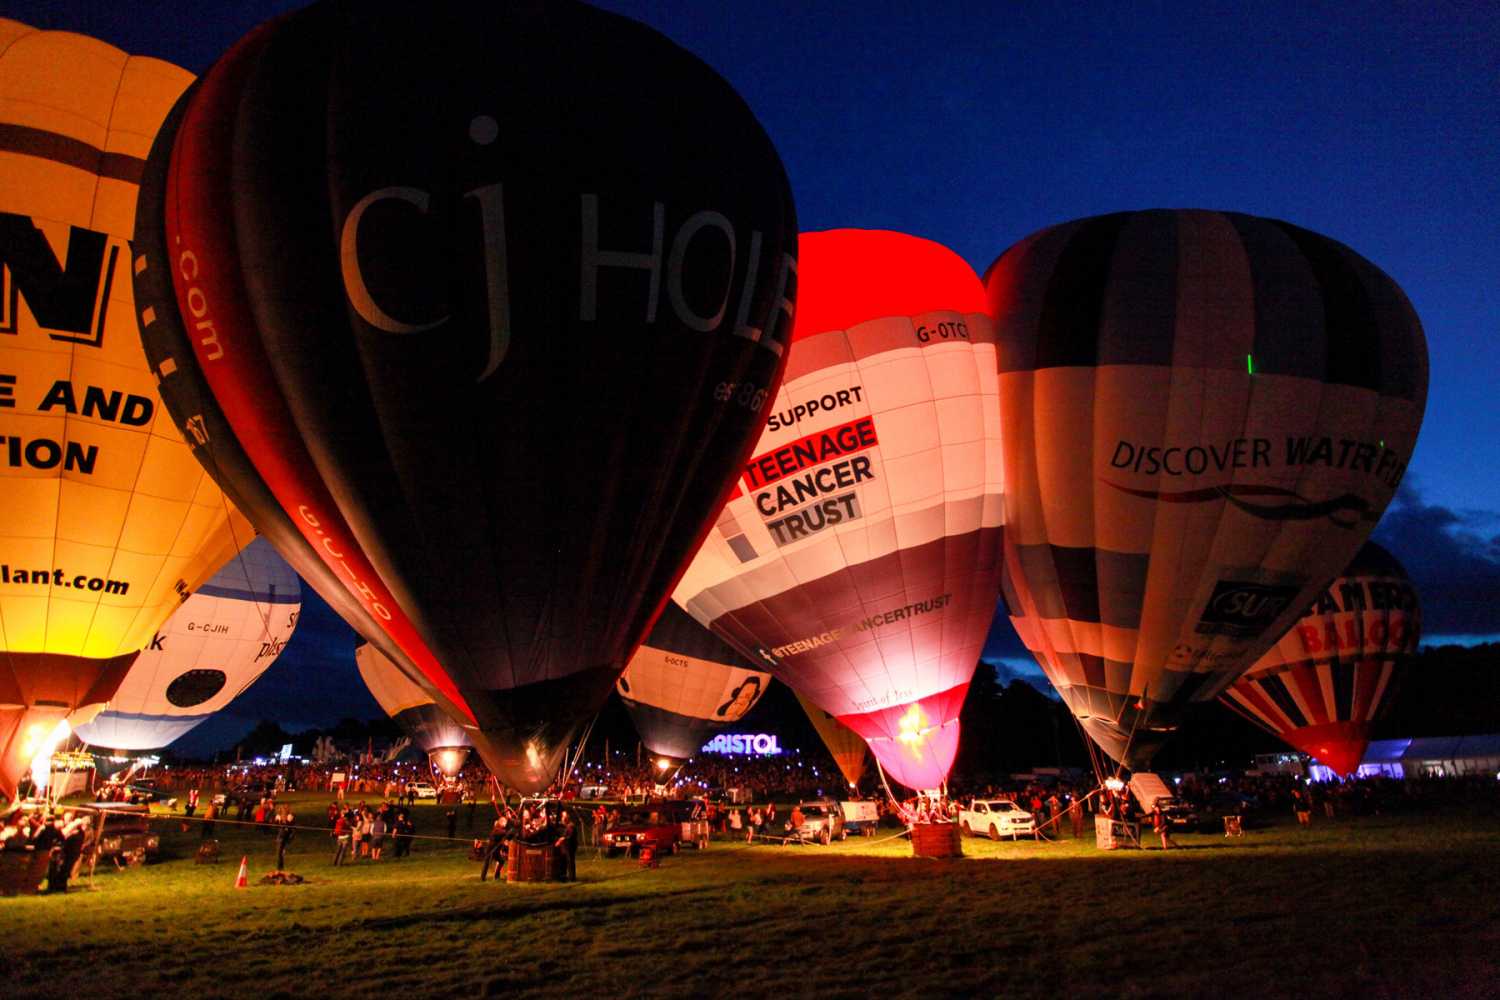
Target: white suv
column 422, row 790
column 996, row 818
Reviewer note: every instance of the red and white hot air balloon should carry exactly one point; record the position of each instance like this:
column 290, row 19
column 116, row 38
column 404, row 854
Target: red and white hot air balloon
column 860, row 556
column 1325, row 682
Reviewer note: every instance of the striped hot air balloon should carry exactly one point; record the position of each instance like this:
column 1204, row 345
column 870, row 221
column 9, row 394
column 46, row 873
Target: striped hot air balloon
column 859, row 557
column 106, row 521
column 213, row 647
column 1326, row 681
column 684, row 684
column 445, row 742
column 1205, row 414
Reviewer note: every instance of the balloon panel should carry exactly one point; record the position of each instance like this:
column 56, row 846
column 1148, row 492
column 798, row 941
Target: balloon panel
column 1325, row 681
column 403, row 700
column 107, row 521
column 859, row 555
column 214, row 647
column 542, row 249
column 845, row 745
column 684, row 684
column 1205, row 415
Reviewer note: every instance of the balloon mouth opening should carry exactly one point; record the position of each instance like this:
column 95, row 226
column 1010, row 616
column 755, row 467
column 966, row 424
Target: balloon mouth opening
column 41, row 743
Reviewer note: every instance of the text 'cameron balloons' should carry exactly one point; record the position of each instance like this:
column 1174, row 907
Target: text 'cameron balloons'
column 1325, row 682
column 1205, row 415
column 860, row 555
column 212, row 648
column 482, row 356
column 684, row 684
column 444, row 741
column 106, row 522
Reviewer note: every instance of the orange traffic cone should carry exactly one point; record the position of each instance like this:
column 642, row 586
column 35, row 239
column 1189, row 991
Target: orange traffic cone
column 242, row 880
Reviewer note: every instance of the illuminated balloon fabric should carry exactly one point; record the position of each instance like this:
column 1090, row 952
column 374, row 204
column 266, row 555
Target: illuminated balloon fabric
column 444, row 741
column 493, row 347
column 215, row 646
column 845, row 745
column 860, row 555
column 1326, row 681
column 684, row 684
column 1205, row 415
column 106, row 522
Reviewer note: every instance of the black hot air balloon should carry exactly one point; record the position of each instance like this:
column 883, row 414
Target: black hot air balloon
column 475, row 310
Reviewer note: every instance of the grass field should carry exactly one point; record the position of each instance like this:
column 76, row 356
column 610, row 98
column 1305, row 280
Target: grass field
column 1374, row 907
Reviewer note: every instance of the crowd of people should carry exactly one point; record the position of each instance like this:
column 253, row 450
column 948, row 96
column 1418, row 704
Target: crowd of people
column 63, row 838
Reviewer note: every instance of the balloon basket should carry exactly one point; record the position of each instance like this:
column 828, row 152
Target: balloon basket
column 936, row 840
column 530, row 863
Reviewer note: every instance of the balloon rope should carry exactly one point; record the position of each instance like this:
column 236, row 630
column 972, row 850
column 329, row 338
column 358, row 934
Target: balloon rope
column 1129, row 740
column 577, row 754
column 900, row 809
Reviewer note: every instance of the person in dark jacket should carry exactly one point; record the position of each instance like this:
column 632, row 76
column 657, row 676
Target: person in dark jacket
column 567, row 846
column 285, row 830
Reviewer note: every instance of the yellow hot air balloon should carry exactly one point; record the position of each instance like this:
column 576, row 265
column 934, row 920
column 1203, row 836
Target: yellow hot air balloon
column 845, row 745
column 107, row 522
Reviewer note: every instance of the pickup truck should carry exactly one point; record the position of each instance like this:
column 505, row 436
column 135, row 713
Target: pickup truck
column 996, row 818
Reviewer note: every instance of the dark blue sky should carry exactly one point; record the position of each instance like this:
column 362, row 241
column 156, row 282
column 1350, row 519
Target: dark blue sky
column 976, row 124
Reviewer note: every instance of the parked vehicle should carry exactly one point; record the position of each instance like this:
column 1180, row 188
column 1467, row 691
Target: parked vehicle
column 821, row 821
column 126, row 831
column 638, row 828
column 1150, row 791
column 861, row 817
column 692, row 819
column 996, row 818
column 422, row 790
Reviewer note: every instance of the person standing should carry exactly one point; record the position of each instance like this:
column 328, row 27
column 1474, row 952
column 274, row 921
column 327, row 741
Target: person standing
column 405, row 829
column 567, row 844
column 284, row 832
column 494, row 849
column 341, row 839
column 1302, row 806
column 1075, row 813
column 1160, row 826
column 377, row 835
column 206, row 832
column 452, row 824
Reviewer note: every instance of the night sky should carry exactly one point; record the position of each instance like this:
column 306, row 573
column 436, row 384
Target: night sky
column 1375, row 124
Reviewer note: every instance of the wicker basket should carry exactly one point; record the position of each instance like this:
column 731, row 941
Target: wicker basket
column 936, row 840
column 530, row 863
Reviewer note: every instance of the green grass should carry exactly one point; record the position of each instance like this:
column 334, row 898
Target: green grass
column 1376, row 907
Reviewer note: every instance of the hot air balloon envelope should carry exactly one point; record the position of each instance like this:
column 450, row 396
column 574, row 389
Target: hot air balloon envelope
column 106, row 522
column 684, row 684
column 859, row 556
column 214, row 647
column 491, row 349
column 1325, row 682
column 1205, row 415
